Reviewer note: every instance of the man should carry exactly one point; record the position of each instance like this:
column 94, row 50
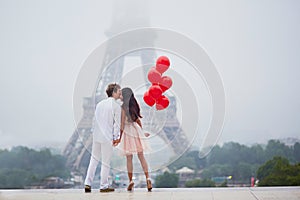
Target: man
column 105, row 135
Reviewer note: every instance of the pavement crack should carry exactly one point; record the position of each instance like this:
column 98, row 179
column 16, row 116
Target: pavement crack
column 212, row 196
column 252, row 193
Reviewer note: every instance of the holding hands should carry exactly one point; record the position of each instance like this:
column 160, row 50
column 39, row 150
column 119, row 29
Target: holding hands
column 116, row 142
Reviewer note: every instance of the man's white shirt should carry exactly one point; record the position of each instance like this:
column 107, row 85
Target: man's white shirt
column 107, row 120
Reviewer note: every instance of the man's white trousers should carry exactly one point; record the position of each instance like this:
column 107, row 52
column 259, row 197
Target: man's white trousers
column 105, row 151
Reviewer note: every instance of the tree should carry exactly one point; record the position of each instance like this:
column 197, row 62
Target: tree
column 234, row 153
column 217, row 170
column 22, row 167
column 257, row 155
column 278, row 172
column 200, row 183
column 244, row 171
column 184, row 161
column 167, row 180
column 297, row 151
column 15, row 178
column 236, row 160
column 189, row 159
column 276, row 148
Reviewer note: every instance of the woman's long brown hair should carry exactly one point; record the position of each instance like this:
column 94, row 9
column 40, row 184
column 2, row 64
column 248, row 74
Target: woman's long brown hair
column 130, row 105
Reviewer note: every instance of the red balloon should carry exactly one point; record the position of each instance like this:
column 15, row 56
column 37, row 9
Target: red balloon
column 162, row 64
column 155, row 91
column 154, row 76
column 165, row 83
column 162, row 102
column 148, row 99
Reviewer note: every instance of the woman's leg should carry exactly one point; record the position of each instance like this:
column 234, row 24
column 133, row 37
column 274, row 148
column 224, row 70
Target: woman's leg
column 143, row 163
column 129, row 166
column 145, row 168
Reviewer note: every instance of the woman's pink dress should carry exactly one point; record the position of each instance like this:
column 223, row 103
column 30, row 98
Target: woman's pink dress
column 133, row 140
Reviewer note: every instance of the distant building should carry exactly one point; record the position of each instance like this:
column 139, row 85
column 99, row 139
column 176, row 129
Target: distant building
column 53, row 183
column 185, row 174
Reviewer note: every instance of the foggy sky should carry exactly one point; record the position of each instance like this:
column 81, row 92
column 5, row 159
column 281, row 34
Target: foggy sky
column 254, row 45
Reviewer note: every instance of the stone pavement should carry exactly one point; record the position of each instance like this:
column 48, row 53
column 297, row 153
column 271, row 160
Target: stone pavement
column 259, row 193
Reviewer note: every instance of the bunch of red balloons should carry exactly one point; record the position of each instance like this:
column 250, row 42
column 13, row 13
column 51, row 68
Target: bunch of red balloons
column 160, row 84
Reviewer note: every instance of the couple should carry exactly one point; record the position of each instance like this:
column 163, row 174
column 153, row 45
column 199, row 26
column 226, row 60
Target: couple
column 116, row 124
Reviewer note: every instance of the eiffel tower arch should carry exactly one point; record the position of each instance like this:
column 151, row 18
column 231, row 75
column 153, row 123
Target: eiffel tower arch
column 77, row 151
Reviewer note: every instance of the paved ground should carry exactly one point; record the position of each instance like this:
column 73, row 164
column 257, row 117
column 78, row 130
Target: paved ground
column 267, row 193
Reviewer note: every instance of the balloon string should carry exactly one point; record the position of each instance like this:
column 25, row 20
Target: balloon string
column 151, row 120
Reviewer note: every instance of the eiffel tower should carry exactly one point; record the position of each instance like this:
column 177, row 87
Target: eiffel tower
column 78, row 148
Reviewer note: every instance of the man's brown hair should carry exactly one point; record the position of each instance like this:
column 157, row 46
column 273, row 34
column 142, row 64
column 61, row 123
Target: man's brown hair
column 113, row 87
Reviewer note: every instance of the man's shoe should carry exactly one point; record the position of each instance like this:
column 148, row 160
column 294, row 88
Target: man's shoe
column 87, row 189
column 107, row 190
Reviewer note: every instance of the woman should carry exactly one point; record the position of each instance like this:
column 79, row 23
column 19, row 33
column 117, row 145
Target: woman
column 132, row 136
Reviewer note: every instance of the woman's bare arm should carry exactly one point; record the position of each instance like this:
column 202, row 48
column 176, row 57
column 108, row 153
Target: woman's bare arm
column 138, row 121
column 123, row 118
